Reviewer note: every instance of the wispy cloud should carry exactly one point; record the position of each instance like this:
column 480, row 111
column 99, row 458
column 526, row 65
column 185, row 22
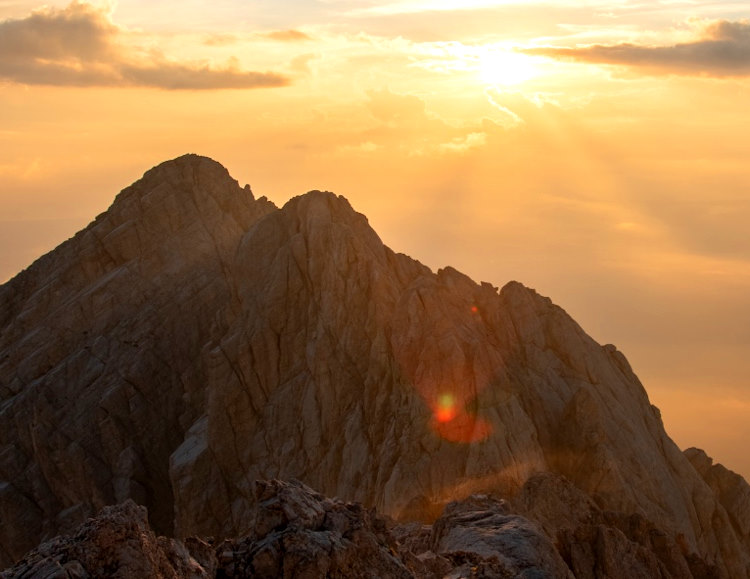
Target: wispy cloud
column 416, row 6
column 723, row 51
column 220, row 39
column 79, row 46
column 287, row 35
column 464, row 144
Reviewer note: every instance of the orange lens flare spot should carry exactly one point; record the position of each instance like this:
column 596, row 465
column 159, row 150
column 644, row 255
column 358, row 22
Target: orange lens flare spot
column 463, row 429
column 451, row 422
column 445, row 414
column 474, row 309
column 446, row 408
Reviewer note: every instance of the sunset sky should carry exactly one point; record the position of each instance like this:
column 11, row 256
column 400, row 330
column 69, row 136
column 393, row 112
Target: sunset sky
column 596, row 151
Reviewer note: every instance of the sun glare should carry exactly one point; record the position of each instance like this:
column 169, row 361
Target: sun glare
column 505, row 67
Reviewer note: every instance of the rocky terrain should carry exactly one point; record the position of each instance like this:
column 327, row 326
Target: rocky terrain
column 295, row 532
column 194, row 340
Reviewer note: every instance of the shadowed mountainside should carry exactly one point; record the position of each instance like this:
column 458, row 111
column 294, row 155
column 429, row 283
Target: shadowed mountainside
column 193, row 339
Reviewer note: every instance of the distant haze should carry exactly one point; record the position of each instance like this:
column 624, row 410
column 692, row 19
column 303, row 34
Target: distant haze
column 597, row 154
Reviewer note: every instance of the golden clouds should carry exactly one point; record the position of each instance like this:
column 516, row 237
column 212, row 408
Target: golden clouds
column 288, row 35
column 79, row 46
column 722, row 51
column 625, row 198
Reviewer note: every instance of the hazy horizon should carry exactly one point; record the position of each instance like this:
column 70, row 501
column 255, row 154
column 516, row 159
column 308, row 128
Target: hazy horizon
column 597, row 154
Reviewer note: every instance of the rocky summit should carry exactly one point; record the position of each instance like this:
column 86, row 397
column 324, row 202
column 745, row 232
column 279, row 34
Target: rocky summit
column 193, row 342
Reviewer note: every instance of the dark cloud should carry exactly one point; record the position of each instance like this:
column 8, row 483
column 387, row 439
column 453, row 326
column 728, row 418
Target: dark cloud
column 78, row 31
column 78, row 46
column 723, row 51
column 175, row 76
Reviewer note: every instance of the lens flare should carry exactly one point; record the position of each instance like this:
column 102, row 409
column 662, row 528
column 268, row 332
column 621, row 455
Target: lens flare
column 463, row 429
column 453, row 423
column 449, row 375
column 446, row 408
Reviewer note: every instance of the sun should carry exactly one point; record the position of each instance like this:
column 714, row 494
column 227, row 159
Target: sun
column 500, row 66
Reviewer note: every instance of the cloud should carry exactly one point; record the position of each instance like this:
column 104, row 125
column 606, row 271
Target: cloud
column 420, row 6
column 494, row 97
column 220, row 40
column 464, row 144
column 78, row 31
column 176, row 76
column 724, row 51
column 78, row 46
column 302, row 62
column 287, row 35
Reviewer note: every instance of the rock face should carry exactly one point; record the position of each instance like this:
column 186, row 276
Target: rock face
column 117, row 543
column 600, row 543
column 481, row 531
column 194, row 339
column 295, row 532
column 298, row 533
column 98, row 347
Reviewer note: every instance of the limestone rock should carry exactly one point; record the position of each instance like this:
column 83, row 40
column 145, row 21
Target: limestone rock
column 98, row 347
column 117, row 543
column 731, row 489
column 481, row 531
column 193, row 339
column 299, row 533
column 733, row 494
column 296, row 533
column 598, row 543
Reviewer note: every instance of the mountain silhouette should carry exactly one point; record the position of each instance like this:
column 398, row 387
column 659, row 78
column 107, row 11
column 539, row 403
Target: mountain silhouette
column 194, row 339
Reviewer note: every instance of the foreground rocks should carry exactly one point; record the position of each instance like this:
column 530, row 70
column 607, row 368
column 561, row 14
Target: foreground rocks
column 117, row 543
column 295, row 532
column 194, row 339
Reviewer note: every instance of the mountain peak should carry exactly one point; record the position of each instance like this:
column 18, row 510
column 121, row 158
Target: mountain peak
column 193, row 339
column 188, row 180
column 183, row 201
column 189, row 167
column 321, row 208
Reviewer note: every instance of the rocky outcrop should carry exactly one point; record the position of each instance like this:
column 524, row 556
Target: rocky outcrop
column 481, row 531
column 98, row 347
column 733, row 494
column 117, row 543
column 294, row 532
column 601, row 543
column 297, row 532
column 194, row 339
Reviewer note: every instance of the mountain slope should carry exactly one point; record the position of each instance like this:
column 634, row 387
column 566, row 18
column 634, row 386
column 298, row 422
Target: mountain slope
column 193, row 339
column 98, row 345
